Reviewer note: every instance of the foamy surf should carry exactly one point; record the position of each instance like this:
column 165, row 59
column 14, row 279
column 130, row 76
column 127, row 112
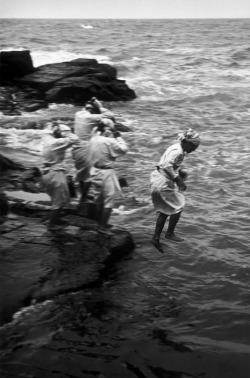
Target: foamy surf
column 87, row 26
column 41, row 57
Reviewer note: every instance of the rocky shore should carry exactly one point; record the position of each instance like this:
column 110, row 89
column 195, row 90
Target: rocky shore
column 37, row 264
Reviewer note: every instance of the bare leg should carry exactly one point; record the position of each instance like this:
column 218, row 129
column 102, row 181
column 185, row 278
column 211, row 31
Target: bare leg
column 105, row 218
column 173, row 220
column 160, row 222
column 84, row 187
column 54, row 218
column 98, row 213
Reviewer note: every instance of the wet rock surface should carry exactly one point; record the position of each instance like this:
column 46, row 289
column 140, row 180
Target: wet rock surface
column 95, row 333
column 37, row 264
column 77, row 318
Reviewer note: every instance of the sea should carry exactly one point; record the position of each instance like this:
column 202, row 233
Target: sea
column 185, row 312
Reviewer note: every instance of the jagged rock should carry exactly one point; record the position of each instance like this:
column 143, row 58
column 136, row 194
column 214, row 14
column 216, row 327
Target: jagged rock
column 45, row 76
column 77, row 81
column 37, row 264
column 79, row 90
column 14, row 100
column 73, row 82
column 7, row 103
column 15, row 176
column 14, row 64
column 29, row 106
column 29, row 99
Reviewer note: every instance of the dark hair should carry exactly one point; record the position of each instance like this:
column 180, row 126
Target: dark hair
column 88, row 105
column 57, row 132
column 101, row 127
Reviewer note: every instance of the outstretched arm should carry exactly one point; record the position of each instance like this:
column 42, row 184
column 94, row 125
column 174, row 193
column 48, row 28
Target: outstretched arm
column 118, row 145
column 64, row 143
column 98, row 105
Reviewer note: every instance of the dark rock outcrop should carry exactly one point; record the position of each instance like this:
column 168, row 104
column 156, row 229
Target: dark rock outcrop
column 38, row 264
column 77, row 81
column 6, row 164
column 15, row 64
column 46, row 76
column 73, row 82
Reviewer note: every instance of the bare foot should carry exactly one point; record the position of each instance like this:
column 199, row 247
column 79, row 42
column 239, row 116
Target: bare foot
column 157, row 244
column 173, row 237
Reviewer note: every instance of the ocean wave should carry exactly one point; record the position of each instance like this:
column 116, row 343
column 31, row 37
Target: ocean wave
column 179, row 50
column 37, row 40
column 102, row 50
column 23, row 140
column 41, row 57
column 242, row 54
column 212, row 97
column 86, row 26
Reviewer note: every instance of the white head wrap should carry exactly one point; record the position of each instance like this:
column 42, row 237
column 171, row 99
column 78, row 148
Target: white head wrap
column 63, row 127
column 108, row 122
column 190, row 136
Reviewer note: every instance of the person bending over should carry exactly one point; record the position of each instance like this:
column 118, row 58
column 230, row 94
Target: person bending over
column 104, row 148
column 167, row 186
column 89, row 117
column 56, row 141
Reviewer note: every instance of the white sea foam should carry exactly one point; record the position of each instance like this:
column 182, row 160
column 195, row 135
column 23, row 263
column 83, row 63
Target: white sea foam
column 40, row 57
column 121, row 210
column 30, row 140
column 87, row 26
column 178, row 50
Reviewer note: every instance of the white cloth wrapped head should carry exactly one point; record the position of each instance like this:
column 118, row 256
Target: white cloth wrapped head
column 190, row 136
column 108, row 123
column 63, row 127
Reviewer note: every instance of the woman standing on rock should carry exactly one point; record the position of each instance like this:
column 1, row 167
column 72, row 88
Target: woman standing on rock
column 105, row 146
column 167, row 185
column 56, row 142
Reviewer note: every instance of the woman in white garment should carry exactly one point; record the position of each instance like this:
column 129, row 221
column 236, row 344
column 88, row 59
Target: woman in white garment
column 167, row 186
column 55, row 144
column 105, row 146
column 86, row 121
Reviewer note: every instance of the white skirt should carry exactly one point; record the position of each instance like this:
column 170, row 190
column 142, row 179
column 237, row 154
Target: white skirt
column 165, row 194
column 55, row 184
column 105, row 186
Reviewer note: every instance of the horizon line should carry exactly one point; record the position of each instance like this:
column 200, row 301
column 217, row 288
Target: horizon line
column 125, row 18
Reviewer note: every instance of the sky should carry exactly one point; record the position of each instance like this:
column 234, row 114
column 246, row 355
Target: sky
column 85, row 9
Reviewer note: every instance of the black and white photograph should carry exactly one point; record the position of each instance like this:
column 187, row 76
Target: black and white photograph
column 124, row 188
